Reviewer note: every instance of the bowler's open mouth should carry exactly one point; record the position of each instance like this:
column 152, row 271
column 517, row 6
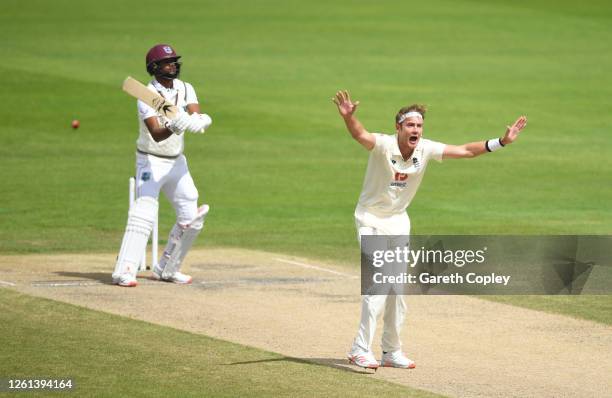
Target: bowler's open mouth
column 413, row 139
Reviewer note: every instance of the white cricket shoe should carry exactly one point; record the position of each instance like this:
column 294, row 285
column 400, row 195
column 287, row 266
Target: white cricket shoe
column 125, row 280
column 397, row 359
column 177, row 277
column 361, row 358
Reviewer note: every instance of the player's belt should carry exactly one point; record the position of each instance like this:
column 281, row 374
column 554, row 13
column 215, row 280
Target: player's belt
column 159, row 156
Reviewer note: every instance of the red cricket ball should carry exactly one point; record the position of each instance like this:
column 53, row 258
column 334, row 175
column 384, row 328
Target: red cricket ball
column 75, row 124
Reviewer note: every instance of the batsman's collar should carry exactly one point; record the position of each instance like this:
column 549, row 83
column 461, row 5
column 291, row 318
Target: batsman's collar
column 158, row 86
column 409, row 114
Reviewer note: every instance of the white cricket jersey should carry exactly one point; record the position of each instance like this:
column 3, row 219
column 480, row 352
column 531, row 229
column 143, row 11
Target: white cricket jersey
column 390, row 182
column 181, row 94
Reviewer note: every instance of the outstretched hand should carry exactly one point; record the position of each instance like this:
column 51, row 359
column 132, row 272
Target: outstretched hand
column 512, row 132
column 346, row 107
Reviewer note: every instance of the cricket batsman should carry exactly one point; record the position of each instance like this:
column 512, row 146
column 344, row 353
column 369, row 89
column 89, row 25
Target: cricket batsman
column 395, row 169
column 161, row 166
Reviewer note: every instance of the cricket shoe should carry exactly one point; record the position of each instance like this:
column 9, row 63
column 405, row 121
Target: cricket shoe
column 396, row 359
column 125, row 280
column 363, row 359
column 177, row 277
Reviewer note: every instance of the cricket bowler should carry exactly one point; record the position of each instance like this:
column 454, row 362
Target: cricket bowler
column 161, row 166
column 395, row 169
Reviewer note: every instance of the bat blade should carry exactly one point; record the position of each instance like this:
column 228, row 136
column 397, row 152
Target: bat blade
column 139, row 91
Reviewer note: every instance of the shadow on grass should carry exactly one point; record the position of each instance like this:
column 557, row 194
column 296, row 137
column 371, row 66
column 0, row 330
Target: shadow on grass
column 341, row 364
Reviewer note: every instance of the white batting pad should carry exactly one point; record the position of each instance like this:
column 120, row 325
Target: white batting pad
column 180, row 241
column 139, row 226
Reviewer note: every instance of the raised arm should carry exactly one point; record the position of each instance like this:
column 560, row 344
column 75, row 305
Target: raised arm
column 474, row 149
column 347, row 109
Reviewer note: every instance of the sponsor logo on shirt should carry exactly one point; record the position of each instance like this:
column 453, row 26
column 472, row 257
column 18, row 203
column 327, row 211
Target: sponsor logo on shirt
column 399, row 180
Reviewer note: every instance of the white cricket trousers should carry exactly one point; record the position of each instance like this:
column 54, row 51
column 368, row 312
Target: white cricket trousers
column 172, row 177
column 372, row 305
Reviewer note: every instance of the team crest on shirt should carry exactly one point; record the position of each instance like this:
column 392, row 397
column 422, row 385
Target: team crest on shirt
column 146, row 176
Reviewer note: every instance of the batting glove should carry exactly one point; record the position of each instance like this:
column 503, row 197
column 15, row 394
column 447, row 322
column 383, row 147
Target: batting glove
column 199, row 123
column 206, row 119
column 180, row 124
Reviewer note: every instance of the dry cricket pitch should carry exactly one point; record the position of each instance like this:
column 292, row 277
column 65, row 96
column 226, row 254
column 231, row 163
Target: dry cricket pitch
column 463, row 346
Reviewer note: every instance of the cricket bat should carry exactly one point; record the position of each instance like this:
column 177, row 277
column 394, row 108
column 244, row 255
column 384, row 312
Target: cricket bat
column 139, row 91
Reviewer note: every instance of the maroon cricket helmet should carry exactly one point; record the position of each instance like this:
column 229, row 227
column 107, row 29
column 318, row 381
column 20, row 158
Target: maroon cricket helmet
column 159, row 53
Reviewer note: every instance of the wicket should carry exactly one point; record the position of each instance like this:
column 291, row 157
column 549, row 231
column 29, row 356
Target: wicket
column 154, row 234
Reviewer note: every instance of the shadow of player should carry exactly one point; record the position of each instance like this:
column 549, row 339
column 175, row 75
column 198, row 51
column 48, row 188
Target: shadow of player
column 336, row 363
column 102, row 277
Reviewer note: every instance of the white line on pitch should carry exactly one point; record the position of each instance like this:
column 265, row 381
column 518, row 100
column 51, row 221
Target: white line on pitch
column 7, row 283
column 314, row 267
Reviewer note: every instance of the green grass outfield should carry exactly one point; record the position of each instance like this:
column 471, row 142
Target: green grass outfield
column 278, row 167
column 593, row 308
column 109, row 356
